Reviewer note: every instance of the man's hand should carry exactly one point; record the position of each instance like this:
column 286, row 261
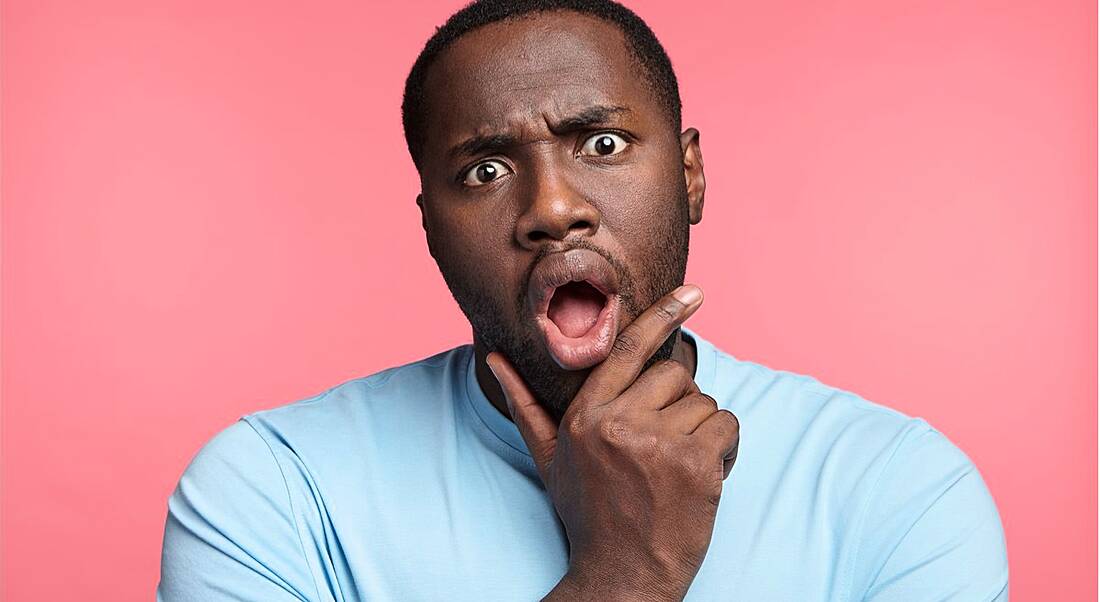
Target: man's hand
column 635, row 468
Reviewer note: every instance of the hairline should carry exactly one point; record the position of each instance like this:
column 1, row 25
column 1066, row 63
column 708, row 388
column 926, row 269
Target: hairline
column 652, row 84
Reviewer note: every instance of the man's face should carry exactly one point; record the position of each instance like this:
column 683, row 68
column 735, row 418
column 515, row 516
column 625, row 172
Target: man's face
column 556, row 195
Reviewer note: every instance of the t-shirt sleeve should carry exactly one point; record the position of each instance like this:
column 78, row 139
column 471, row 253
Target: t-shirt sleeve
column 230, row 532
column 931, row 530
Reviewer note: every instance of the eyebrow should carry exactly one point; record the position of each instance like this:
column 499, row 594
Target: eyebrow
column 492, row 143
column 594, row 115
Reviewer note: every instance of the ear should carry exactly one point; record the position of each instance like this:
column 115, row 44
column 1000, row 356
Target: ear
column 693, row 173
column 424, row 223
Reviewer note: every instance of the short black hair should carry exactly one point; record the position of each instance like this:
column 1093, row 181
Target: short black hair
column 640, row 40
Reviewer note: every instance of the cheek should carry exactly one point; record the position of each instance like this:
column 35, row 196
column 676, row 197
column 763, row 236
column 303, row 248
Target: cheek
column 473, row 255
column 460, row 255
column 640, row 209
column 465, row 225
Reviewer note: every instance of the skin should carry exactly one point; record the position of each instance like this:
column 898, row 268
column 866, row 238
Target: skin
column 632, row 454
column 522, row 78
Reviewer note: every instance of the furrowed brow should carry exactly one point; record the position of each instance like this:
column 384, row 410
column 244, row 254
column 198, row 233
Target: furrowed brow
column 595, row 115
column 592, row 116
column 485, row 144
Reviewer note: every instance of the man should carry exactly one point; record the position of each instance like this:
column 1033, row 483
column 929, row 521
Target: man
column 583, row 447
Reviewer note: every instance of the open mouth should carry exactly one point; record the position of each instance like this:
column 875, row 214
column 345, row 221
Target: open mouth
column 575, row 308
column 575, row 303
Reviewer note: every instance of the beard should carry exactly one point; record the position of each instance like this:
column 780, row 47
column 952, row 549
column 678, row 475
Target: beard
column 520, row 341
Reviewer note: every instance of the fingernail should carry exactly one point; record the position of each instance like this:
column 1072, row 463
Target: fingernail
column 689, row 294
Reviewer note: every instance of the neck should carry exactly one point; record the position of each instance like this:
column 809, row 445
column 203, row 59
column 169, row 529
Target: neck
column 683, row 351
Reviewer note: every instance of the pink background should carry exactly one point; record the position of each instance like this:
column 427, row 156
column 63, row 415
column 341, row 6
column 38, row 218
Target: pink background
column 209, row 210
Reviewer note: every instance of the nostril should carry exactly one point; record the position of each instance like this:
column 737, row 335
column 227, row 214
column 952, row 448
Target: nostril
column 577, row 226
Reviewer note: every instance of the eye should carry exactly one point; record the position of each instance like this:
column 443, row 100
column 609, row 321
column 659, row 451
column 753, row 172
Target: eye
column 604, row 144
column 485, row 172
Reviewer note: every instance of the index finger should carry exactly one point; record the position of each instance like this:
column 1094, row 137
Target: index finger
column 637, row 343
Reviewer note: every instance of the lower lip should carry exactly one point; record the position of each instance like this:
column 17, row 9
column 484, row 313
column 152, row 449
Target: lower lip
column 587, row 350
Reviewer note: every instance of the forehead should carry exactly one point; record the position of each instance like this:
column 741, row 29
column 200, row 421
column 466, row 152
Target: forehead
column 516, row 74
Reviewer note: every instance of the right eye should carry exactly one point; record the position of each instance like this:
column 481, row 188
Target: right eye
column 485, row 172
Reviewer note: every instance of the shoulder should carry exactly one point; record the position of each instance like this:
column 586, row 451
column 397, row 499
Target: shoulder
column 921, row 519
column 408, row 394
column 797, row 411
column 236, row 451
column 246, row 509
column 261, row 444
column 804, row 416
column 929, row 527
column 341, row 431
column 230, row 526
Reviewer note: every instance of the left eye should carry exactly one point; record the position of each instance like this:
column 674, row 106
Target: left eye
column 604, row 144
column 485, row 172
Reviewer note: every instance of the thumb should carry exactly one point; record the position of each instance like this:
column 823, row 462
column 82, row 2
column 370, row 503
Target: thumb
column 534, row 423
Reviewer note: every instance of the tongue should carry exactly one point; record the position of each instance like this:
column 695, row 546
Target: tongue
column 575, row 307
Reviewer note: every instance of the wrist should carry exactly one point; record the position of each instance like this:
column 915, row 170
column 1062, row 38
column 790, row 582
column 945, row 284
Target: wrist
column 625, row 586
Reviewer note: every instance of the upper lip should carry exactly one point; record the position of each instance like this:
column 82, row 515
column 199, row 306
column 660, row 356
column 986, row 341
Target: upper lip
column 563, row 267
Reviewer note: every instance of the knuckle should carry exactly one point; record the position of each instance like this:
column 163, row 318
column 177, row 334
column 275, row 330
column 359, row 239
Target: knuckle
column 723, row 426
column 703, row 474
column 698, row 402
column 713, row 494
column 709, row 401
column 730, row 420
column 682, row 373
column 665, row 365
column 668, row 310
column 627, row 343
column 618, row 432
column 690, row 386
column 574, row 426
column 613, row 431
column 672, row 369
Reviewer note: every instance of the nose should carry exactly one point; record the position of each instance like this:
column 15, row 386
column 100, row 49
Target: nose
column 555, row 211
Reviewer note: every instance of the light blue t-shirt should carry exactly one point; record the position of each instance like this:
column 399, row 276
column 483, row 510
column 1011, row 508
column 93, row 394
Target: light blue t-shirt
column 409, row 485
